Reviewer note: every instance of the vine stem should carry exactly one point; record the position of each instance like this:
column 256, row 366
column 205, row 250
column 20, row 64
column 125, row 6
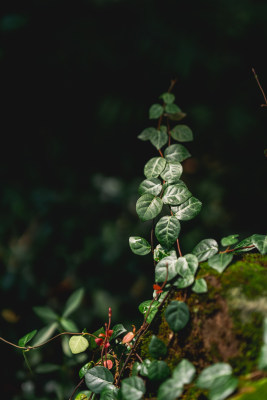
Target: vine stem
column 262, row 91
column 76, row 388
column 240, row 248
column 47, row 341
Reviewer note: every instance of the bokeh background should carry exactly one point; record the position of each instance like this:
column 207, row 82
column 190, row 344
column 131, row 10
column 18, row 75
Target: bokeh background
column 77, row 80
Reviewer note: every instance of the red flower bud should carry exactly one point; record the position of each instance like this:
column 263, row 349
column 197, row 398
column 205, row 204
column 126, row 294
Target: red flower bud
column 108, row 364
column 99, row 341
column 107, row 345
column 109, row 332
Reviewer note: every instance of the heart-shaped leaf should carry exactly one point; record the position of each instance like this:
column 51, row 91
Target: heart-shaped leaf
column 159, row 137
column 78, row 344
column 167, row 231
column 177, row 315
column 148, row 207
column 220, row 261
column 161, row 269
column 184, row 372
column 171, row 389
column 157, row 347
column 205, row 249
column 97, row 378
column 139, row 245
column 200, row 286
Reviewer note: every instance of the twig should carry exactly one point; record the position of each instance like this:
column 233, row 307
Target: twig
column 262, row 91
column 76, row 388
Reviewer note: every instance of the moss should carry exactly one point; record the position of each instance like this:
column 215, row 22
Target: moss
column 253, row 391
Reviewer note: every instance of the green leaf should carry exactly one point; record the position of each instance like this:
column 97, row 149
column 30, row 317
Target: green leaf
column 220, row 261
column 200, row 286
column 184, row 372
column 136, row 368
column 260, row 241
column 177, row 116
column 46, row 314
column 177, row 315
column 171, row 389
column 154, row 167
column 110, row 392
column 262, row 361
column 265, row 330
column 132, row 388
column 78, row 344
column 244, row 243
column 160, row 253
column 155, row 111
column 85, row 368
column 84, row 395
column 205, row 249
column 25, row 339
column 153, row 309
column 147, row 133
column 118, row 330
column 182, row 133
column 176, row 153
column 187, row 210
column 68, row 325
column 167, row 230
column 172, row 109
column 150, row 186
column 209, row 374
column 172, row 172
column 161, row 269
column 97, row 378
column 229, row 240
column 73, row 302
column 168, row 98
column 176, row 194
column 45, row 333
column 222, row 387
column 139, row 245
column 158, row 371
column 47, row 368
column 148, row 207
column 157, row 347
column 185, row 282
column 187, row 265
column 159, row 138
column 144, row 367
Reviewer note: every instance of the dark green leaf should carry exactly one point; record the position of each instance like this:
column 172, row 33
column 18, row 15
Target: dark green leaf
column 78, row 344
column 97, row 378
column 200, row 286
column 155, row 111
column 176, row 153
column 167, row 230
column 168, row 98
column 172, row 109
column 147, row 133
column 110, row 392
column 45, row 333
column 118, row 330
column 86, row 368
column 171, row 389
column 177, row 117
column 161, row 269
column 176, row 194
column 260, row 241
column 177, row 315
column 139, row 245
column 150, row 186
column 148, row 207
column 159, row 138
column 25, row 339
column 172, row 172
column 209, row 374
column 46, row 314
column 158, row 371
column 160, row 253
column 73, row 302
column 153, row 309
column 205, row 249
column 132, row 388
column 229, row 240
column 47, row 368
column 157, row 347
column 222, row 387
column 154, row 167
column 184, row 372
column 182, row 133
column 187, row 210
column 220, row 261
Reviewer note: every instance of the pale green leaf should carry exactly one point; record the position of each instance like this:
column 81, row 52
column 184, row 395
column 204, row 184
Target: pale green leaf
column 168, row 98
column 171, row 389
column 172, row 109
column 209, row 374
column 148, row 207
column 205, row 249
column 187, row 210
column 172, row 172
column 184, row 282
column 200, row 286
column 262, row 361
column 154, row 167
column 97, row 378
column 260, row 241
column 161, row 269
column 187, row 265
column 45, row 333
column 46, row 314
column 68, row 325
column 78, row 344
column 155, row 111
column 167, row 231
column 150, row 186
column 220, row 261
column 265, row 330
column 139, row 245
column 176, row 194
column 73, row 302
column 132, row 388
column 229, row 240
column 182, row 133
column 222, row 387
column 176, row 153
column 177, row 315
column 184, row 372
column 159, row 138
column 147, row 133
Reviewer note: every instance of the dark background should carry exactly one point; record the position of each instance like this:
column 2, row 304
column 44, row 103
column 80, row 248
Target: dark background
column 77, row 80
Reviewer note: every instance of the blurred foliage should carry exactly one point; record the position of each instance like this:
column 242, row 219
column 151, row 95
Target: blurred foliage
column 77, row 80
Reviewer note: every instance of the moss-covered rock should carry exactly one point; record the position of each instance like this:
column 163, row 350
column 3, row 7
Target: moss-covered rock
column 225, row 324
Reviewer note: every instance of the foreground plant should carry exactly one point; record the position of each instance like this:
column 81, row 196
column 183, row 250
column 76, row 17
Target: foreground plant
column 115, row 369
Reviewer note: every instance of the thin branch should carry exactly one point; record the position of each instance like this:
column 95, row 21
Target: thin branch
column 76, row 388
column 239, row 248
column 262, row 91
column 178, row 247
